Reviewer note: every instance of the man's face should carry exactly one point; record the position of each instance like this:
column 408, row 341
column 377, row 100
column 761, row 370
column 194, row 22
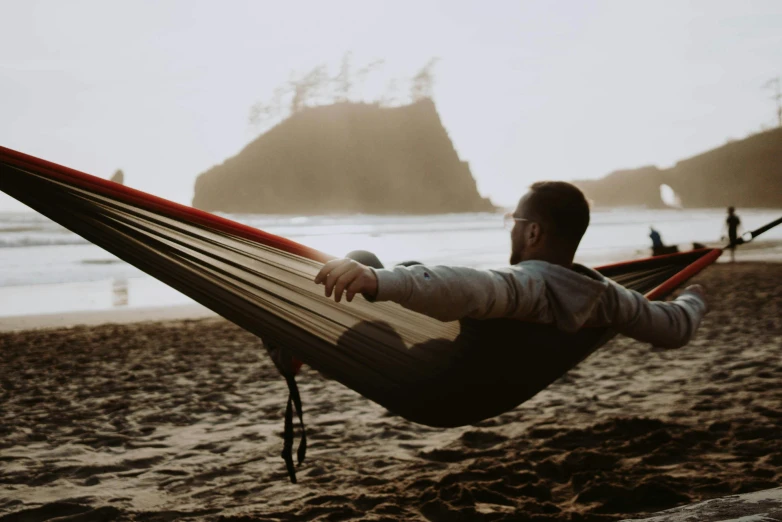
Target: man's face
column 518, row 234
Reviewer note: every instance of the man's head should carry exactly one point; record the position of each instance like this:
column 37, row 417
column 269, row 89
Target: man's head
column 731, row 210
column 550, row 220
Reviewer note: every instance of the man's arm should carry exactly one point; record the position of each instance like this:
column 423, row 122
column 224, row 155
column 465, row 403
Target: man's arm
column 664, row 324
column 443, row 292
column 450, row 293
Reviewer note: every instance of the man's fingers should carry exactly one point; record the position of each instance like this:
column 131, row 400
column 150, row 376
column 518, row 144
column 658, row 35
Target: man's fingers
column 355, row 287
column 345, row 276
column 347, row 279
column 328, row 267
column 697, row 289
column 336, row 273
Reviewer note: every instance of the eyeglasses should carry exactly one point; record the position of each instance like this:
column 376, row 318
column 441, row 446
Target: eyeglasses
column 509, row 220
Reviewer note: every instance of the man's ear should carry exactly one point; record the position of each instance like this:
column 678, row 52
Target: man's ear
column 533, row 233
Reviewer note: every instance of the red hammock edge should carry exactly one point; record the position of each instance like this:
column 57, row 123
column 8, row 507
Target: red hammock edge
column 156, row 204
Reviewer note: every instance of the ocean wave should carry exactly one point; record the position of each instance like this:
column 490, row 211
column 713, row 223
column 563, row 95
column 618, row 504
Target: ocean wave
column 608, row 228
column 15, row 241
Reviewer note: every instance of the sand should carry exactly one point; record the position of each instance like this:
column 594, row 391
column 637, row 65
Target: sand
column 758, row 506
column 98, row 317
column 182, row 420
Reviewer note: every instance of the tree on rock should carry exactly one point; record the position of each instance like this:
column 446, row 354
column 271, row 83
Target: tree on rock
column 423, row 82
column 118, row 177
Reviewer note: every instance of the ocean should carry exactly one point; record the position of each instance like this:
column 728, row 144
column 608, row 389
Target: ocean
column 46, row 269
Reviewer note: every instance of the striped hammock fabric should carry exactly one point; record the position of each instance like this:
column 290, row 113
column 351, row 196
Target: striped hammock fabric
column 430, row 372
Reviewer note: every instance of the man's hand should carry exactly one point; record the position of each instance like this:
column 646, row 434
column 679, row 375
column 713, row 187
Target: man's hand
column 699, row 291
column 346, row 275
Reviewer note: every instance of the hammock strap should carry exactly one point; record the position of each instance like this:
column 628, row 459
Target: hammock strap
column 294, row 399
column 755, row 233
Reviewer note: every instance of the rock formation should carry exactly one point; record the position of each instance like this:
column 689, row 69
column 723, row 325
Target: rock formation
column 743, row 173
column 346, row 158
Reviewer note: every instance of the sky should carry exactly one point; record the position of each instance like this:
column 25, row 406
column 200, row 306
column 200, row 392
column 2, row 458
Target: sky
column 527, row 90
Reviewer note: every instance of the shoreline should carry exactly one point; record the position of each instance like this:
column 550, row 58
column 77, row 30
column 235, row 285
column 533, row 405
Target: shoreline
column 160, row 314
column 179, row 307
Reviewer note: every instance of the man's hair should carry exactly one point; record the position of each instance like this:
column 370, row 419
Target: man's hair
column 562, row 209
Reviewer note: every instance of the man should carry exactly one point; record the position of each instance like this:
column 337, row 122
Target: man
column 657, row 240
column 541, row 285
column 732, row 223
column 658, row 248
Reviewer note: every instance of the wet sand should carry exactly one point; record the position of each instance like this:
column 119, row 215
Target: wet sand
column 99, row 317
column 183, row 420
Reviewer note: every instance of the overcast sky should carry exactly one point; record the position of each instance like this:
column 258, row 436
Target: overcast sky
column 527, row 90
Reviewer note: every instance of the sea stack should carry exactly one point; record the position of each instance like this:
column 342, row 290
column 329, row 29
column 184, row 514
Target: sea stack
column 346, row 158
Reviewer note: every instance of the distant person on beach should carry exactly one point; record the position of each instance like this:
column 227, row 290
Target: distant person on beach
column 657, row 240
column 541, row 285
column 732, row 223
column 658, row 247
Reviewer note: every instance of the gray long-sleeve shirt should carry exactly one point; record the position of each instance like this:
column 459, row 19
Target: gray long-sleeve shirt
column 538, row 291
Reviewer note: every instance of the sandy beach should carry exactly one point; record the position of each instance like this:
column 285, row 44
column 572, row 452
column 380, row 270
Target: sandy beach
column 182, row 420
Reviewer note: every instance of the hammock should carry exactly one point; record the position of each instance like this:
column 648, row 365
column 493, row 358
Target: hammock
column 430, row 372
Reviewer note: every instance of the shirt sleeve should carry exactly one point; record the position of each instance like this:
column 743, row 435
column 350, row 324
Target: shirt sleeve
column 669, row 324
column 450, row 293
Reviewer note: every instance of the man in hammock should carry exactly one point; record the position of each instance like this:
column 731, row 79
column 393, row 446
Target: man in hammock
column 541, row 285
